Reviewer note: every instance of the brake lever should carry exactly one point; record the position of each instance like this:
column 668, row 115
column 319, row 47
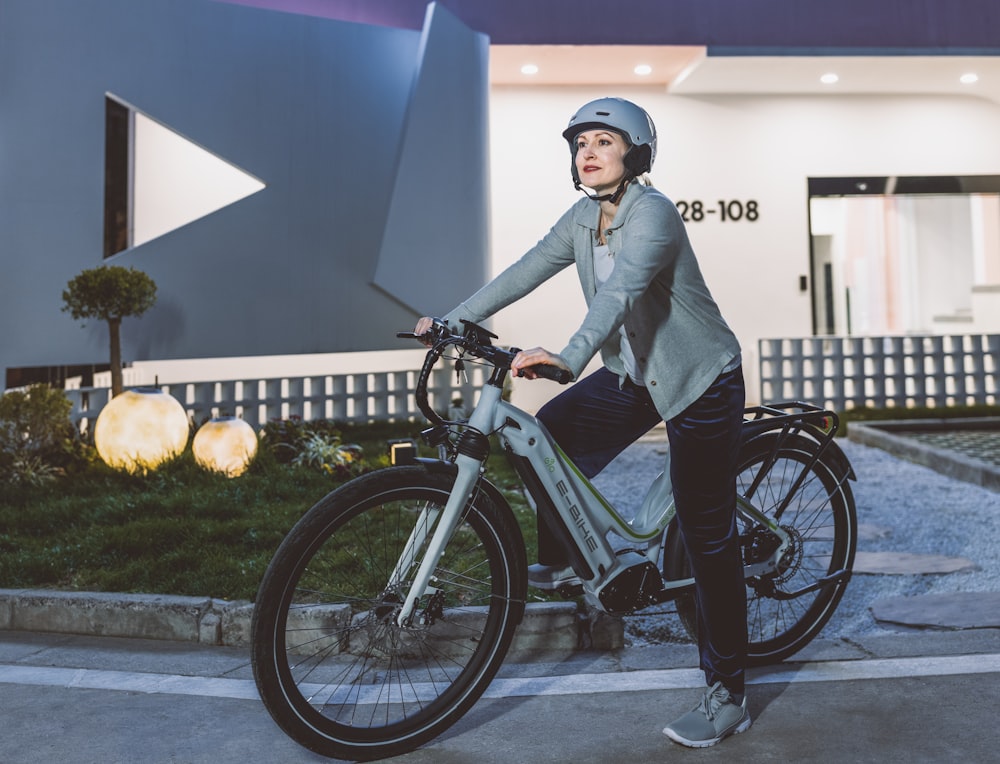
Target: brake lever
column 438, row 331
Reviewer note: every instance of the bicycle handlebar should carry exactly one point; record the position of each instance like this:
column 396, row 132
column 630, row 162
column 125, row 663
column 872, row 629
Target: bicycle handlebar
column 475, row 342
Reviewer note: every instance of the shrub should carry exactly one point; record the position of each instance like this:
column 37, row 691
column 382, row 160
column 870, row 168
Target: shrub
column 29, row 471
column 34, row 421
column 34, row 431
column 282, row 437
column 316, row 444
column 324, row 451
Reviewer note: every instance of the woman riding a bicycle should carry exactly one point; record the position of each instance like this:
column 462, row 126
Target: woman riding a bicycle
column 668, row 355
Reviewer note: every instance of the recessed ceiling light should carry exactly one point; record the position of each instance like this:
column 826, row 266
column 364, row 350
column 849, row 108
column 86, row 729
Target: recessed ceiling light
column 829, row 78
column 969, row 78
column 643, row 69
column 529, row 69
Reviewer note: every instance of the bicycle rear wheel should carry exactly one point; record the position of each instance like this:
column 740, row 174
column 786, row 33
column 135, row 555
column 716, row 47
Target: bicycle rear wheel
column 332, row 666
column 822, row 521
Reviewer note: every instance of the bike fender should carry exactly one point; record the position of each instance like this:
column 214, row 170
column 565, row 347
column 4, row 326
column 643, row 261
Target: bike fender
column 439, row 467
column 839, row 460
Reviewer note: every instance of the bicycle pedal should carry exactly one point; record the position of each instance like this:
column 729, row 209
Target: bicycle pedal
column 570, row 591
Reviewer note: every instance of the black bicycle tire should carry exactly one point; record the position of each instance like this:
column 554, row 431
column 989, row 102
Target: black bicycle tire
column 806, row 627
column 502, row 545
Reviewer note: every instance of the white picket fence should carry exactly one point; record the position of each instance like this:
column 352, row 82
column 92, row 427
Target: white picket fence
column 344, row 398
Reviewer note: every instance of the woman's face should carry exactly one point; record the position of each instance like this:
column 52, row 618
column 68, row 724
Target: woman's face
column 599, row 159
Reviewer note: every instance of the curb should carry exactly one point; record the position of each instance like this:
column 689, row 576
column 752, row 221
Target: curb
column 187, row 619
column 207, row 621
column 883, row 435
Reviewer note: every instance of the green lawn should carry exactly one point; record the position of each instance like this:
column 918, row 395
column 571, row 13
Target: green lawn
column 179, row 530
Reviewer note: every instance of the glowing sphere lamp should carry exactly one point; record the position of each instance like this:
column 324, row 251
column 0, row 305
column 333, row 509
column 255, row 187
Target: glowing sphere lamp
column 140, row 429
column 225, row 444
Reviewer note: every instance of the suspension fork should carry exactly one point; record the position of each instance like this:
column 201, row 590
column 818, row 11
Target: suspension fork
column 473, row 448
column 469, row 470
column 428, row 516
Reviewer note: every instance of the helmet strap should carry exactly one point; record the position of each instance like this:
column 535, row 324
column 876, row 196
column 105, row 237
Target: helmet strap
column 613, row 198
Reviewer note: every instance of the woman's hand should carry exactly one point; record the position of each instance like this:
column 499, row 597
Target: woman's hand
column 528, row 358
column 424, row 325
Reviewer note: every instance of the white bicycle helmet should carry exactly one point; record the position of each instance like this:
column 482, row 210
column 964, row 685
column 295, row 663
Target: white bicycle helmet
column 625, row 118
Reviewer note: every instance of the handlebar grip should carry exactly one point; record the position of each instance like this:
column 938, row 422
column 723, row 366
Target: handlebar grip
column 550, row 371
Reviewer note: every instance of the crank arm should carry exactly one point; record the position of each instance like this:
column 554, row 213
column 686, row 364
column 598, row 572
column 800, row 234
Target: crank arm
column 840, row 577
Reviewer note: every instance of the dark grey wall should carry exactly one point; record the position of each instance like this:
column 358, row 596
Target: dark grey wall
column 361, row 133
column 727, row 27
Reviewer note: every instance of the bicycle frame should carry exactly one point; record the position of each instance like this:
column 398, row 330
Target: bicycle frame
column 587, row 518
column 590, row 520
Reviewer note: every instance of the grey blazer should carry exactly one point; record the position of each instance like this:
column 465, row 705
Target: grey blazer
column 680, row 339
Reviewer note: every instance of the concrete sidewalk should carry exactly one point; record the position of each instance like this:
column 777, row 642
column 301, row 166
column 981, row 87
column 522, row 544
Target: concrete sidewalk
column 925, row 697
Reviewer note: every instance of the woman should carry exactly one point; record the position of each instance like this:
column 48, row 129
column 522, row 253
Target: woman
column 668, row 355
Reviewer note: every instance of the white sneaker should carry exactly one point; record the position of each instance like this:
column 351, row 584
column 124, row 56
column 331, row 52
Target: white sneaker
column 552, row 577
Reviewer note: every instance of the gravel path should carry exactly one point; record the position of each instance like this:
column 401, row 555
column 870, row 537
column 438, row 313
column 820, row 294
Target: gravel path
column 902, row 507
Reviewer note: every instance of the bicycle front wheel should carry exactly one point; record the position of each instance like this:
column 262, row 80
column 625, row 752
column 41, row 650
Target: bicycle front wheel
column 333, row 667
column 821, row 520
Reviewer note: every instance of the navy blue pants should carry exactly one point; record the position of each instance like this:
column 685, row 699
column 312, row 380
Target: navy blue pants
column 595, row 420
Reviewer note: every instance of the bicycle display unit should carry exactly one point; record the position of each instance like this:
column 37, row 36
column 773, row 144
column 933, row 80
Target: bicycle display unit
column 390, row 606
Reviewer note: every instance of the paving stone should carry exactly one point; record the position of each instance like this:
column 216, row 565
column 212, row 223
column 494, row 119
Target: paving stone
column 907, row 563
column 961, row 610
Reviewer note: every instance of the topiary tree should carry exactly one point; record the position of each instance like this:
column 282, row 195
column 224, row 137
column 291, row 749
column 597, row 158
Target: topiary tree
column 110, row 293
